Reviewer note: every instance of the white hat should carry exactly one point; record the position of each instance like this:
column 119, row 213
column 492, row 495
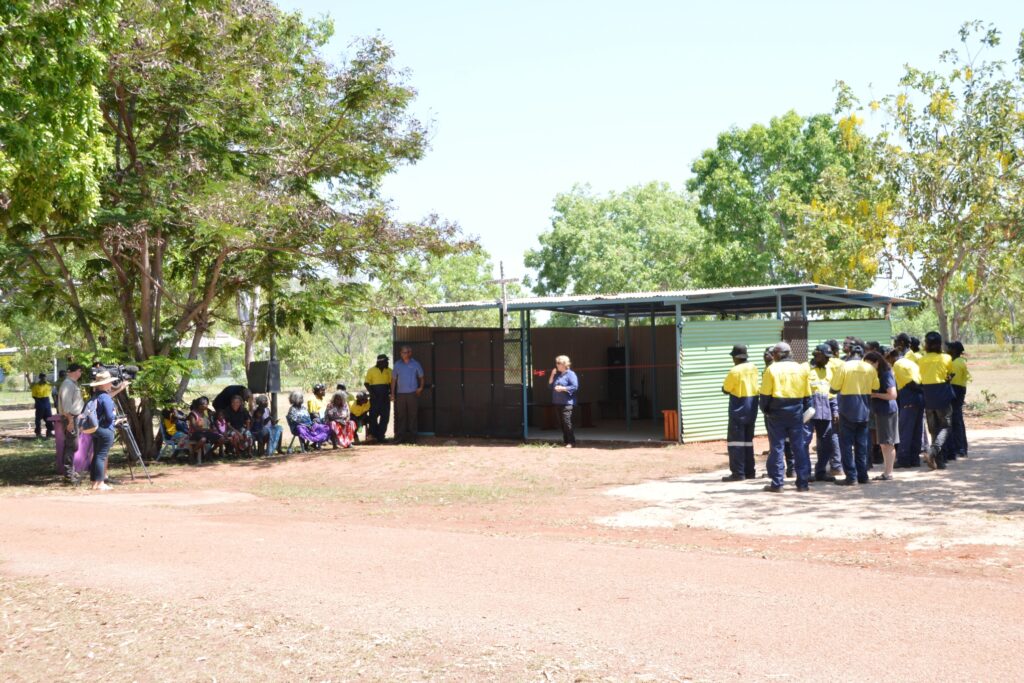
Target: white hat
column 101, row 378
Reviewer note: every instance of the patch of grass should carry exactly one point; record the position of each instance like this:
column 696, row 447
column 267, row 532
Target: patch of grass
column 419, row 494
column 9, row 398
column 27, row 465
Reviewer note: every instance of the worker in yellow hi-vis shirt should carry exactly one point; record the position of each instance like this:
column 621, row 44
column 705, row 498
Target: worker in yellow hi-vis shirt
column 785, row 398
column 741, row 386
column 41, row 391
column 378, row 383
column 854, row 382
column 936, row 372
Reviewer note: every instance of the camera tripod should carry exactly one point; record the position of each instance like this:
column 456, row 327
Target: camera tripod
column 129, row 445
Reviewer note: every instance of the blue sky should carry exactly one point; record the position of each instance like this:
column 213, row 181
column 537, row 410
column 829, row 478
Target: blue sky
column 526, row 99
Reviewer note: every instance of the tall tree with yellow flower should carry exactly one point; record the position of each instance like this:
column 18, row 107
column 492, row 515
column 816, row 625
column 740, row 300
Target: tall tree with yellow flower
column 950, row 161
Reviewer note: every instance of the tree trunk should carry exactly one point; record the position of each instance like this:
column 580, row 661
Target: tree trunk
column 193, row 353
column 248, row 307
column 140, row 421
column 940, row 312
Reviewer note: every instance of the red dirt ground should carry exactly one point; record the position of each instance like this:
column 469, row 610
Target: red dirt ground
column 471, row 561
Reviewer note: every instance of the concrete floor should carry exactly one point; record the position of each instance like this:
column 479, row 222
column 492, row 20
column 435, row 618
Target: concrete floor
column 641, row 431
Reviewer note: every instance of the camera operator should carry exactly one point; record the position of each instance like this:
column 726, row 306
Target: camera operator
column 103, row 385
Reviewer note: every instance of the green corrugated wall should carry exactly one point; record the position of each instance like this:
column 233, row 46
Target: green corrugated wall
column 705, row 362
column 819, row 331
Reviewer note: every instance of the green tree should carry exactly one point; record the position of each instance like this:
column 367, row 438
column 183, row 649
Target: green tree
column 467, row 276
column 240, row 157
column 644, row 238
column 951, row 147
column 758, row 192
column 52, row 147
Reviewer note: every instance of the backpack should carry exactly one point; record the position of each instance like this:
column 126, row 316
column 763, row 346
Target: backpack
column 88, row 421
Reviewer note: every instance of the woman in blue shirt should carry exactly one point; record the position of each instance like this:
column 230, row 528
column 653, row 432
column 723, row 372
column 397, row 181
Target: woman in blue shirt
column 564, row 386
column 103, row 437
column 884, row 412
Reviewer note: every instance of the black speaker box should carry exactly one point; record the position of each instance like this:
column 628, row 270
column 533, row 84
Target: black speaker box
column 264, row 376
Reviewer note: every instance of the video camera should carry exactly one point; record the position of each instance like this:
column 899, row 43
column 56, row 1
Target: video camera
column 120, row 373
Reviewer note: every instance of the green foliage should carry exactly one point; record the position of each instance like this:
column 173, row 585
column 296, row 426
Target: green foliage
column 951, row 150
column 332, row 354
column 159, row 377
column 466, row 276
column 759, row 192
column 208, row 148
column 53, row 149
column 644, row 238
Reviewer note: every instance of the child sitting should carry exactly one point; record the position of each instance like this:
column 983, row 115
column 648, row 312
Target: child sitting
column 359, row 412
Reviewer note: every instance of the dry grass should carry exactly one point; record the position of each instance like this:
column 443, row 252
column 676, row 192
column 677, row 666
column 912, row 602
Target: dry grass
column 422, row 494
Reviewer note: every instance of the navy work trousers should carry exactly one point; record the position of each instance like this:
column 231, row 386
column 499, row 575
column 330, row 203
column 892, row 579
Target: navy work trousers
column 780, row 429
column 908, row 451
column 939, row 422
column 828, row 446
column 854, row 441
column 740, row 441
column 956, row 446
column 380, row 410
column 43, row 412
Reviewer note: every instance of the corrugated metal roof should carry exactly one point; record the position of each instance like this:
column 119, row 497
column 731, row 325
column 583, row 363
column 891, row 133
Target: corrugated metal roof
column 761, row 299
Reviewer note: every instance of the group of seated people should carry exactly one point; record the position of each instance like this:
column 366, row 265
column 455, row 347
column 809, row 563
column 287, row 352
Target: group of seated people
column 240, row 424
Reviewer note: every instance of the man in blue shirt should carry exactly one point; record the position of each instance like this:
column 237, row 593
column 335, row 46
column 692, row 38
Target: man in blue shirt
column 406, row 386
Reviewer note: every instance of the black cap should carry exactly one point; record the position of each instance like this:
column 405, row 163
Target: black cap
column 932, row 337
column 739, row 351
column 857, row 349
column 823, row 349
column 902, row 337
column 382, row 356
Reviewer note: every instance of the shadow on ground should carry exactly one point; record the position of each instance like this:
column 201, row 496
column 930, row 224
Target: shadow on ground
column 979, row 500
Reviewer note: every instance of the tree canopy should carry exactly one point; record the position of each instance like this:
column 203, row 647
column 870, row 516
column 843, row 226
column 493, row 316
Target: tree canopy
column 643, row 238
column 226, row 154
column 951, row 155
column 755, row 190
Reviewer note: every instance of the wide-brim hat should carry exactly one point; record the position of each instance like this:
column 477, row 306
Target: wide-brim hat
column 101, row 378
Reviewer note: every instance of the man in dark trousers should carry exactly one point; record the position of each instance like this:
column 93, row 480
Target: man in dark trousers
column 854, row 382
column 407, row 381
column 911, row 406
column 44, row 410
column 741, row 385
column 826, row 410
column 784, row 397
column 936, row 372
column 378, row 383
